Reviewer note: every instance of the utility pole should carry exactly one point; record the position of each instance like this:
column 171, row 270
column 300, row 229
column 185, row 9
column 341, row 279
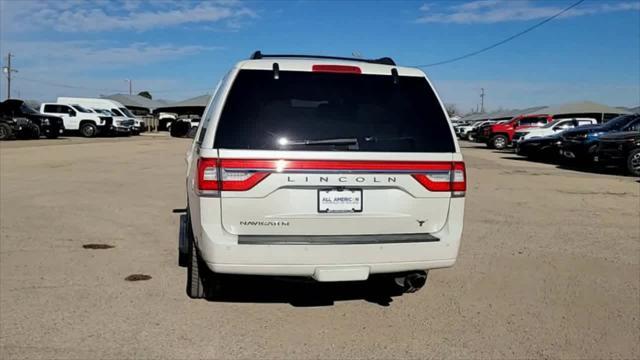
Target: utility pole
column 8, row 70
column 129, row 81
column 481, row 99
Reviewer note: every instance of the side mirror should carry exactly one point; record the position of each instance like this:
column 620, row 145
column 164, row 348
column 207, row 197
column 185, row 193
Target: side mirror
column 72, row 113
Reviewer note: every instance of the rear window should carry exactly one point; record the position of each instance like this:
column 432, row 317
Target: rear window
column 263, row 113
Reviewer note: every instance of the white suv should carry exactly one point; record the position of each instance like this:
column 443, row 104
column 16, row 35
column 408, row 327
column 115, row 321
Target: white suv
column 328, row 168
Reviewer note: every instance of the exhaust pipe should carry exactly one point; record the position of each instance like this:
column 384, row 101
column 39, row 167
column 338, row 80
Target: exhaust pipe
column 412, row 282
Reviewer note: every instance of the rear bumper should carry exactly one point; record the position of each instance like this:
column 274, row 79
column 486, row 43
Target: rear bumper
column 227, row 253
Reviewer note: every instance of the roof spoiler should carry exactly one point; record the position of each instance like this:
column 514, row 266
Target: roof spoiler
column 382, row 61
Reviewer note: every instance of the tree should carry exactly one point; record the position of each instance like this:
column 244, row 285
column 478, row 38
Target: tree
column 145, row 94
column 452, row 109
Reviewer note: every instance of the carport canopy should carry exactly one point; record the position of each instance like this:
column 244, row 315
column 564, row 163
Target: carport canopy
column 583, row 108
column 193, row 106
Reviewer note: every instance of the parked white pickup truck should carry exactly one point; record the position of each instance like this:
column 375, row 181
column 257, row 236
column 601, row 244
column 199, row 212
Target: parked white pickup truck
column 556, row 126
column 121, row 115
column 87, row 121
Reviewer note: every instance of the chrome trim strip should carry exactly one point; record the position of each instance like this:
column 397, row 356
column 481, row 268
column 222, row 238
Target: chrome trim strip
column 335, row 239
column 332, row 171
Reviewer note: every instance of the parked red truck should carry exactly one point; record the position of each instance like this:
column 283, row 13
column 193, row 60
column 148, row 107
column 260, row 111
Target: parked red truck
column 500, row 135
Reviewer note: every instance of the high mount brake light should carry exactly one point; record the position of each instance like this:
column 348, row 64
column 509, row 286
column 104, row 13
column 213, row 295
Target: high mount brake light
column 343, row 69
column 244, row 174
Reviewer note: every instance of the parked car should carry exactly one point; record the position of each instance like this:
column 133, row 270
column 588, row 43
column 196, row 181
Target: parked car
column 184, row 125
column 122, row 117
column 88, row 122
column 556, row 126
column 540, row 148
column 19, row 127
column 621, row 149
column 463, row 130
column 322, row 168
column 581, row 143
column 165, row 119
column 472, row 132
column 499, row 136
column 481, row 134
column 47, row 125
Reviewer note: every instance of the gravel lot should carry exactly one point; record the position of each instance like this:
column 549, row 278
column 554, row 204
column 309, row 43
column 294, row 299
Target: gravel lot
column 549, row 268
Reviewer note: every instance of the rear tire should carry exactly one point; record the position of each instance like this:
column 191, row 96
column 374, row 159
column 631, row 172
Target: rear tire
column 633, row 162
column 88, row 130
column 499, row 142
column 5, row 131
column 195, row 283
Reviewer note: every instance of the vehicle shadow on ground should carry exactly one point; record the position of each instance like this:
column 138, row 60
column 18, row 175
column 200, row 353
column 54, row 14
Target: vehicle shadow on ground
column 302, row 293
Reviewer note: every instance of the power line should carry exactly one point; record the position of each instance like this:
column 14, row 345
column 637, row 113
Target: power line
column 505, row 40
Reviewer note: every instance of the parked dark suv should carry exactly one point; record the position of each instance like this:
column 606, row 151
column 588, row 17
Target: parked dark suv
column 622, row 149
column 581, row 143
column 47, row 125
column 11, row 127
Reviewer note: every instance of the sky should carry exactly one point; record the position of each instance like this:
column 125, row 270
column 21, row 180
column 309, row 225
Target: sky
column 179, row 49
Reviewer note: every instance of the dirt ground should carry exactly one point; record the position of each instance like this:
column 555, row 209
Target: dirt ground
column 549, row 268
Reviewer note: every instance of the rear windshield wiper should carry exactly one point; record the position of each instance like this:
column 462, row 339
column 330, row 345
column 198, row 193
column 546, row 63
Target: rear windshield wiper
column 337, row 141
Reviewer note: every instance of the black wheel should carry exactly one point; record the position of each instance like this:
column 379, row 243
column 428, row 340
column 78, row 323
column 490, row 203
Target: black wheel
column 633, row 162
column 195, row 275
column 88, row 130
column 184, row 238
column 5, row 131
column 34, row 132
column 471, row 137
column 499, row 142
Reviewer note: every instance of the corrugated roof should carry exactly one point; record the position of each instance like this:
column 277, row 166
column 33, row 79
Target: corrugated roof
column 135, row 101
column 201, row 100
column 583, row 107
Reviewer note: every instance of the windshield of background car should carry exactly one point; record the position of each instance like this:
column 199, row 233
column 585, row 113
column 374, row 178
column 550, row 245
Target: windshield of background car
column 81, row 109
column 553, row 123
column 617, row 122
column 26, row 109
column 126, row 112
column 538, row 120
column 116, row 112
column 381, row 115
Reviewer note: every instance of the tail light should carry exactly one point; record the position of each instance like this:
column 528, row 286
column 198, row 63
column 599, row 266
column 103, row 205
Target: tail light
column 213, row 176
column 243, row 174
column 445, row 177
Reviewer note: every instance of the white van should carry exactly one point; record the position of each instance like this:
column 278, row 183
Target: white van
column 328, row 168
column 121, row 114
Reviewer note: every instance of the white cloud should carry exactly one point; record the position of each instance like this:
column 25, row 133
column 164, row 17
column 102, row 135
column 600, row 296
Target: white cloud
column 100, row 15
column 494, row 11
column 73, row 56
column 89, row 68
